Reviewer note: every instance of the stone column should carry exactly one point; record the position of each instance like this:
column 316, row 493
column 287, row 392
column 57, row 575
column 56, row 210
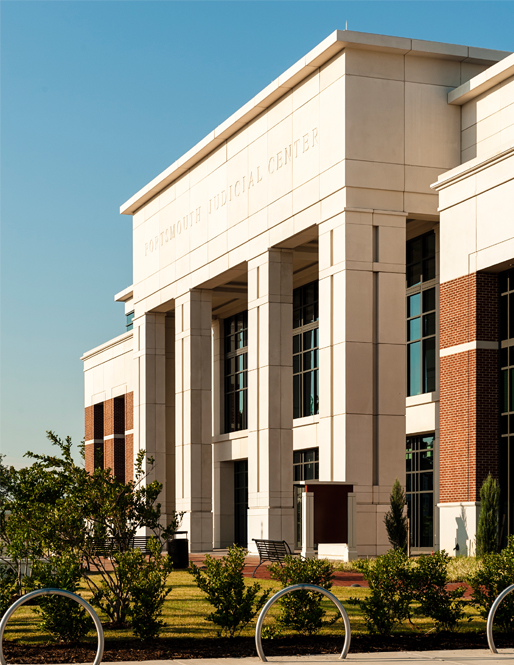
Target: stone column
column 193, row 416
column 362, row 361
column 150, row 396
column 270, row 397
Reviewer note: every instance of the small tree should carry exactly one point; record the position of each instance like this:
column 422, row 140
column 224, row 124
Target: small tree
column 55, row 508
column 222, row 580
column 395, row 520
column 487, row 531
column 302, row 611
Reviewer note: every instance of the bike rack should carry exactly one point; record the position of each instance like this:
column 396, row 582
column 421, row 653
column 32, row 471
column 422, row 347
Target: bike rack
column 490, row 617
column 57, row 592
column 304, row 587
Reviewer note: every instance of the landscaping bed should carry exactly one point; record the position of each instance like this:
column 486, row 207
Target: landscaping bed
column 238, row 647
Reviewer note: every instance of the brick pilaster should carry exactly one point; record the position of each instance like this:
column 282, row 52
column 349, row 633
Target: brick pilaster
column 468, row 386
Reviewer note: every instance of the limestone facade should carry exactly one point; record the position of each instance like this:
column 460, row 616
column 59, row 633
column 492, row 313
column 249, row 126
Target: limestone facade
column 268, row 353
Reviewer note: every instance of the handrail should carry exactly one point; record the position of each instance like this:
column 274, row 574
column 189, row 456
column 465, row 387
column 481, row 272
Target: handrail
column 490, row 617
column 57, row 592
column 307, row 587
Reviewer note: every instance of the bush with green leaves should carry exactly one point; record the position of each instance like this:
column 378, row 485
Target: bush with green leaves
column 8, row 589
column 391, row 591
column 395, row 519
column 66, row 620
column 495, row 573
column 222, row 580
column 487, row 530
column 55, row 507
column 302, row 611
column 149, row 590
column 429, row 580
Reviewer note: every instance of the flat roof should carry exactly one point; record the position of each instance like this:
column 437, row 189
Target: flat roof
column 321, row 54
column 480, row 83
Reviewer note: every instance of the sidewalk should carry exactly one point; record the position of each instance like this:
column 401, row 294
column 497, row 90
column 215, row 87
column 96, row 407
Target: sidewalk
column 457, row 657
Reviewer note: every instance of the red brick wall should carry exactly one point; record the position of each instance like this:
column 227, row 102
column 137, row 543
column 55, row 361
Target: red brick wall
column 469, row 309
column 89, row 423
column 129, row 411
column 129, row 457
column 111, row 418
column 468, row 387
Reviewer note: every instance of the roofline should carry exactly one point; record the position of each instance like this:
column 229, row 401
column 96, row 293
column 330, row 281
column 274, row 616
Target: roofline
column 319, row 55
column 125, row 295
column 481, row 82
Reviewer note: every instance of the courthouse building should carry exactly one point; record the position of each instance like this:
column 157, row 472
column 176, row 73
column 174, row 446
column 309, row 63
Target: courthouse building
column 323, row 302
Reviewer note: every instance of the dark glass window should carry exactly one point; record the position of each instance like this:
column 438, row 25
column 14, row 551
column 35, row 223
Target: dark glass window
column 506, row 444
column 420, row 489
column 306, row 464
column 305, row 351
column 421, row 315
column 130, row 319
column 241, row 503
column 235, row 331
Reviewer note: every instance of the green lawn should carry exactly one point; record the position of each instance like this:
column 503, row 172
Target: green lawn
column 186, row 610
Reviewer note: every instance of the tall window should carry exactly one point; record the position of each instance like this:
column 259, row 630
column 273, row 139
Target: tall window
column 421, row 315
column 506, row 452
column 305, row 467
column 236, row 372
column 420, row 489
column 130, row 320
column 305, row 351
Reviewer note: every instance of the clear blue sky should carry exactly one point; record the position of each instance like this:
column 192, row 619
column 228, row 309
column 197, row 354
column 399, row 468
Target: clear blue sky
column 97, row 98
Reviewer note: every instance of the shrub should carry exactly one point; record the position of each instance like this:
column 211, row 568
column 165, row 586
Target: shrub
column 391, row 592
column 222, row 580
column 395, row 520
column 495, row 574
column 429, row 579
column 8, row 589
column 149, row 591
column 487, row 530
column 65, row 619
column 302, row 610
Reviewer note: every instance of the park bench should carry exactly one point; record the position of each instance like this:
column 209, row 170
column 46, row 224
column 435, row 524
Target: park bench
column 272, row 550
column 109, row 545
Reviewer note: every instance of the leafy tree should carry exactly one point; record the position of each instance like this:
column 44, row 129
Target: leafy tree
column 55, row 508
column 395, row 520
column 487, row 530
column 222, row 580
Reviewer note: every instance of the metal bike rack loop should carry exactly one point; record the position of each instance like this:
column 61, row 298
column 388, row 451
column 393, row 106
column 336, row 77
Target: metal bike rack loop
column 490, row 617
column 302, row 587
column 57, row 592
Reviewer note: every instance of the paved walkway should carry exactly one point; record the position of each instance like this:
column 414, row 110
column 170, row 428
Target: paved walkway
column 457, row 657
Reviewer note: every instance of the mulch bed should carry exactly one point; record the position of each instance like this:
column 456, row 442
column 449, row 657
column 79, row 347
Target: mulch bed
column 239, row 647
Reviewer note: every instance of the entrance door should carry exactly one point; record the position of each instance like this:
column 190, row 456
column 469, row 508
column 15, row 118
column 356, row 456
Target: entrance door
column 241, row 503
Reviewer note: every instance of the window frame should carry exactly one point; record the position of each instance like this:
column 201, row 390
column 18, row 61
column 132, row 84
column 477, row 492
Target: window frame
column 426, row 342
column 302, row 354
column 231, row 423
column 414, row 491
column 303, row 464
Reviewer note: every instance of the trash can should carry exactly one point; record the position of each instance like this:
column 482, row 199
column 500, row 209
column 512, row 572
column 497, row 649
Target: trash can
column 178, row 549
